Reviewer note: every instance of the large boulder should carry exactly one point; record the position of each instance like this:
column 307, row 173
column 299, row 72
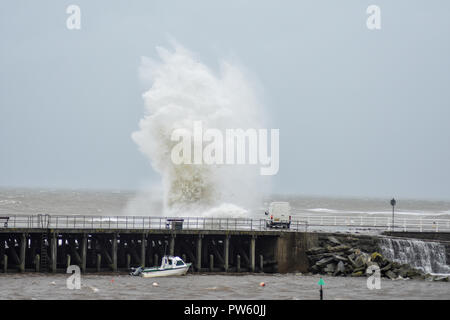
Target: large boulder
column 315, row 269
column 361, row 260
column 340, row 268
column 324, row 261
column 330, row 268
column 338, row 258
column 362, row 268
column 349, row 269
column 391, row 275
column 405, row 270
column 357, row 274
column 441, row 278
column 379, row 259
column 341, row 247
column 413, row 273
column 386, row 267
column 315, row 250
column 350, row 259
column 333, row 240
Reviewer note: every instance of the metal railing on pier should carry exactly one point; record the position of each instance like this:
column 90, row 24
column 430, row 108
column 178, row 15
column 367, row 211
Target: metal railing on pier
column 298, row 223
column 405, row 224
column 136, row 222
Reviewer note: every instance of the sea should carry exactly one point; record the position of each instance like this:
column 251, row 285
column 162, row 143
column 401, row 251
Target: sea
column 36, row 286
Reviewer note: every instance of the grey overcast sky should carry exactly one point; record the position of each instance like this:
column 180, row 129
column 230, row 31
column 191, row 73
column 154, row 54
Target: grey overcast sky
column 361, row 112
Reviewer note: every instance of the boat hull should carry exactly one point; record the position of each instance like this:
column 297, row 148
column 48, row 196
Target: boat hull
column 165, row 273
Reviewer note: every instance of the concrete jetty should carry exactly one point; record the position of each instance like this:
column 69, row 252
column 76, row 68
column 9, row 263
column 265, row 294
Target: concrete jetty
column 114, row 244
column 95, row 250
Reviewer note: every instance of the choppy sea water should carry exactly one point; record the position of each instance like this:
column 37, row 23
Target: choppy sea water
column 114, row 203
column 214, row 287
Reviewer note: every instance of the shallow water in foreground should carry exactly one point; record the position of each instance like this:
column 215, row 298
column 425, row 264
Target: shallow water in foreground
column 214, row 286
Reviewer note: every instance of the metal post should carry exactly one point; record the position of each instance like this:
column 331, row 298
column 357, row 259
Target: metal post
column 393, row 224
column 393, row 203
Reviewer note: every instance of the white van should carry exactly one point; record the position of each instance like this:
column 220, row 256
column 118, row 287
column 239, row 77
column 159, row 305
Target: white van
column 279, row 215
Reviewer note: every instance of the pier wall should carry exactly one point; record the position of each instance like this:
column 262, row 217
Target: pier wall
column 437, row 236
column 96, row 250
column 117, row 250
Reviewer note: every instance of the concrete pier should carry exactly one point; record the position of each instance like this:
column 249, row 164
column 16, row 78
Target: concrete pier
column 96, row 250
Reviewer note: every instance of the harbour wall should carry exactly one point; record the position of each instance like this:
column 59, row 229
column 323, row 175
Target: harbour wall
column 117, row 250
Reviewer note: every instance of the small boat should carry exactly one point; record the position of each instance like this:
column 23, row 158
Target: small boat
column 170, row 266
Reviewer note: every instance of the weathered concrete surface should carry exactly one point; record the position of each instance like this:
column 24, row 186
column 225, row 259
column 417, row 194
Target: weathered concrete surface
column 437, row 236
column 291, row 252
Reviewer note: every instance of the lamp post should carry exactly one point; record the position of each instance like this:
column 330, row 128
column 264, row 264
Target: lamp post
column 393, row 203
